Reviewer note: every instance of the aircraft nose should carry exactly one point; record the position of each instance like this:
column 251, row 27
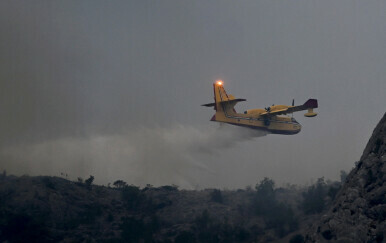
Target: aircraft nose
column 298, row 127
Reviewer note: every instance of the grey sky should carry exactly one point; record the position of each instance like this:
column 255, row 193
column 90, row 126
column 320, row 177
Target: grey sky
column 77, row 77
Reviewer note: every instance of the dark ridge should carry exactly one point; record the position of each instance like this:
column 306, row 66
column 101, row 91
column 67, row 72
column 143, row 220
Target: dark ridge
column 357, row 214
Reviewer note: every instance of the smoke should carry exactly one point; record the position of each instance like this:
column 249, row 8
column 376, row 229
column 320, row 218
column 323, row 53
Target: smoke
column 157, row 156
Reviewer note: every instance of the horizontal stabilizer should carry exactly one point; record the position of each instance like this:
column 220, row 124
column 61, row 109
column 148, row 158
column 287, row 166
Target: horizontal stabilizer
column 209, row 105
column 223, row 102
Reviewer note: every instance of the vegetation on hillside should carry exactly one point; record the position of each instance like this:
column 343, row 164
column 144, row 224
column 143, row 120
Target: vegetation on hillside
column 54, row 209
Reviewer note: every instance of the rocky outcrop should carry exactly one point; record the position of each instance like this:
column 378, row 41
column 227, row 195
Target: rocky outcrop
column 359, row 211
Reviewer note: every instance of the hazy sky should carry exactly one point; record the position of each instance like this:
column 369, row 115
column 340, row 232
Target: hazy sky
column 113, row 88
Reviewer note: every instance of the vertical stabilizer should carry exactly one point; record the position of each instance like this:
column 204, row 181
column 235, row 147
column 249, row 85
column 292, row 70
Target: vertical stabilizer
column 223, row 103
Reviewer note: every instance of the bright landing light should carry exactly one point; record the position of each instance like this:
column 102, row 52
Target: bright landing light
column 219, row 82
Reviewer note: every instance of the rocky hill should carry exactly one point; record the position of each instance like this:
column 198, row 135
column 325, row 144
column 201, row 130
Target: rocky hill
column 359, row 211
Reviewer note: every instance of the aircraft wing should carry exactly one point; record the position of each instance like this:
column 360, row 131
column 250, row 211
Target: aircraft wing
column 310, row 104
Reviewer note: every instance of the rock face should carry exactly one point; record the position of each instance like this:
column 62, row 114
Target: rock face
column 359, row 211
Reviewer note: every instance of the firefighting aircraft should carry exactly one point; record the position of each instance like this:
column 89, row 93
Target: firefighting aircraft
column 267, row 119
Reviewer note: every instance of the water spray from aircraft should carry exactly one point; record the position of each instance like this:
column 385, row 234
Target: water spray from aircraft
column 157, row 156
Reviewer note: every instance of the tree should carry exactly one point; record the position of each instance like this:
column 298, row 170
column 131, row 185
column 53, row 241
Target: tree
column 313, row 198
column 119, row 184
column 343, row 176
column 216, row 196
column 277, row 216
column 132, row 196
column 264, row 200
column 203, row 221
column 89, row 181
column 265, row 188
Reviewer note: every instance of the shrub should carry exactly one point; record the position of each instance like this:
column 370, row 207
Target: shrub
column 203, row 221
column 378, row 144
column 137, row 230
column 185, row 237
column 371, row 178
column 119, row 184
column 241, row 234
column 110, row 218
column 264, row 200
column 169, row 188
column 343, row 176
column 48, row 182
column 333, row 190
column 90, row 213
column 297, row 239
column 313, row 198
column 277, row 216
column 265, row 188
column 133, row 230
column 216, row 196
column 89, row 181
column 327, row 234
column 21, row 227
column 281, row 219
column 379, row 237
column 132, row 196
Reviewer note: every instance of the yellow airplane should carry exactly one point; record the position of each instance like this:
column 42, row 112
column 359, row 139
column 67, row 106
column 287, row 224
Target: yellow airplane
column 267, row 119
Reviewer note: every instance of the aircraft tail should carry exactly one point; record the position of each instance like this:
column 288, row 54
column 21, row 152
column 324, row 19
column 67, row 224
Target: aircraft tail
column 310, row 105
column 223, row 103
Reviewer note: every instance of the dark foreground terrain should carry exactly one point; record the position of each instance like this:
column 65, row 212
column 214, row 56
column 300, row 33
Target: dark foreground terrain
column 53, row 209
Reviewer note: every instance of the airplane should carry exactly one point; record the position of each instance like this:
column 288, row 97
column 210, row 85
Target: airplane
column 268, row 119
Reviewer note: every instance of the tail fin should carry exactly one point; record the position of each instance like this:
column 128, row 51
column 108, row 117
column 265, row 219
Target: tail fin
column 310, row 105
column 223, row 103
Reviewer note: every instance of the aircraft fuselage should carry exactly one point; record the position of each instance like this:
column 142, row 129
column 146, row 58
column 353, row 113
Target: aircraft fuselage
column 276, row 124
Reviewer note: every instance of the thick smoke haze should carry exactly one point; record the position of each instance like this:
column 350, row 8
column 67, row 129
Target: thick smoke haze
column 146, row 156
column 113, row 88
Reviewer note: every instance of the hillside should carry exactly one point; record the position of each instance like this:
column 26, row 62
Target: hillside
column 46, row 209
column 359, row 211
